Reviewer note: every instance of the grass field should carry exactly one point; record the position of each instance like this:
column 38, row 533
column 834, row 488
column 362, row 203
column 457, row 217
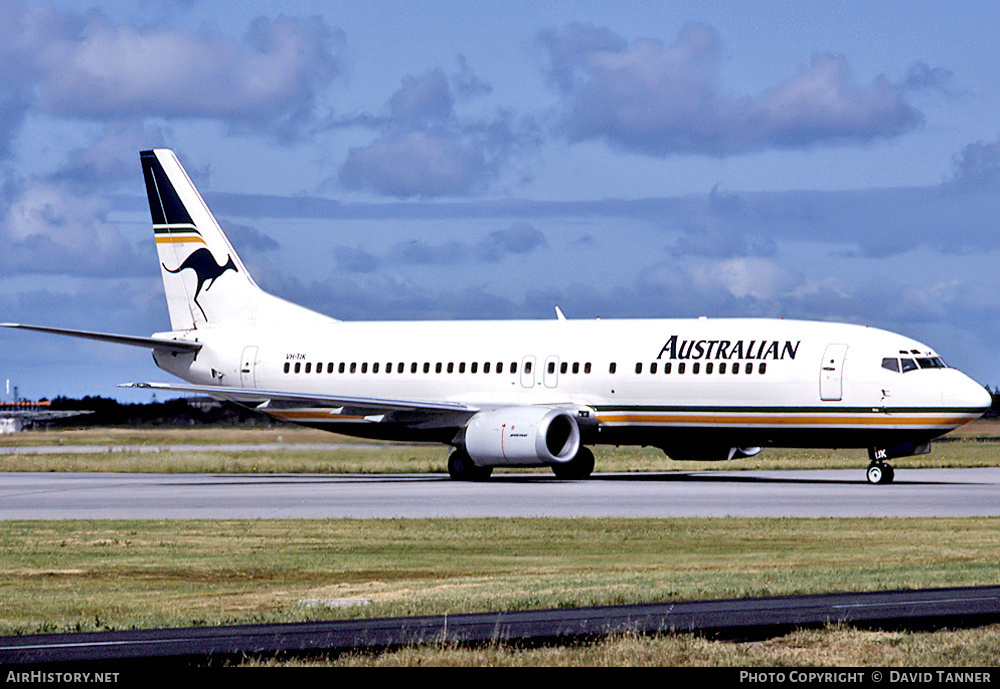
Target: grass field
column 92, row 575
column 89, row 575
column 974, row 445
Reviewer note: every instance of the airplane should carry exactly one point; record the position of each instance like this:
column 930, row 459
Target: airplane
column 534, row 392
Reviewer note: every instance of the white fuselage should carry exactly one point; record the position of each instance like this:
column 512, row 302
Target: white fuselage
column 668, row 383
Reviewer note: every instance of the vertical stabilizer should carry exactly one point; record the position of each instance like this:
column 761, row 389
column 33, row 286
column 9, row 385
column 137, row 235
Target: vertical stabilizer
column 205, row 281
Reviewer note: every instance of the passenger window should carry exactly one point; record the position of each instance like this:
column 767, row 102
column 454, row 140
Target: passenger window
column 364, row 367
column 680, row 367
column 298, row 367
column 722, row 367
column 375, row 367
column 513, row 367
column 638, row 368
column 474, row 367
column 709, row 367
column 586, row 367
column 891, row 364
column 666, row 367
column 499, row 367
column 437, row 367
column 613, row 367
column 576, row 367
column 749, row 367
column 762, row 368
column 451, row 367
column 527, row 367
column 652, row 367
column 288, row 367
column 695, row 368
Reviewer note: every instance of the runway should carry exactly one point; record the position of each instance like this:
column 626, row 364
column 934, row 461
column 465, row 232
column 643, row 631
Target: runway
column 818, row 494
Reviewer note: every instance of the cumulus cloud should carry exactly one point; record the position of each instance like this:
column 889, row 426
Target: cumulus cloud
column 111, row 158
column 49, row 229
column 921, row 76
column 724, row 228
column 520, row 238
column 418, row 163
column 426, row 148
column 659, row 99
column 977, row 167
column 85, row 66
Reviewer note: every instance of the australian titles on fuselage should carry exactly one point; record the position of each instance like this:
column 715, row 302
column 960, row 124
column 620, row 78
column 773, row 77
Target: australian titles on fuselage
column 726, row 350
column 535, row 392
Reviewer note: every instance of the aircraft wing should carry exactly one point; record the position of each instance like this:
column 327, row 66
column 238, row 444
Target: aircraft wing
column 276, row 399
column 131, row 340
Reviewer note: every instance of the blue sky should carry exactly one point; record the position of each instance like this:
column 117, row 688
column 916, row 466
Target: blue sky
column 425, row 160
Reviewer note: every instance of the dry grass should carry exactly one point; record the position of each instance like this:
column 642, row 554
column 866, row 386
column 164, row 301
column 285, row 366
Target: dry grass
column 837, row 646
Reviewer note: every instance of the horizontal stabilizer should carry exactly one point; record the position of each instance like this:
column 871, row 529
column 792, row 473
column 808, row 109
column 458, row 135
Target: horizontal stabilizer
column 130, row 340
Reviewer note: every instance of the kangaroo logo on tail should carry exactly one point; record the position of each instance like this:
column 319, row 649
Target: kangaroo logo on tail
column 202, row 262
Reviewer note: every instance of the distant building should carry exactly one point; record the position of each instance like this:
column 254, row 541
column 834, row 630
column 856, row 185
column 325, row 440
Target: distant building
column 16, row 416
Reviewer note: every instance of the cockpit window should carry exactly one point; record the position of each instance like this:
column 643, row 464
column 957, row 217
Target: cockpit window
column 906, row 364
column 891, row 364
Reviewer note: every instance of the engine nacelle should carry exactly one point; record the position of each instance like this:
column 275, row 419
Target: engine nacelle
column 522, row 436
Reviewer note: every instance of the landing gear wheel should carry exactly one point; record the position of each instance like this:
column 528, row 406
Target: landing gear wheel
column 462, row 468
column 580, row 467
column 880, row 472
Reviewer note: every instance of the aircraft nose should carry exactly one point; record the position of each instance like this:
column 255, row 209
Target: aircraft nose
column 985, row 398
column 968, row 394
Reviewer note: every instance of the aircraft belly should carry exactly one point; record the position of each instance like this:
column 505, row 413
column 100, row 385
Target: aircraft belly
column 817, row 427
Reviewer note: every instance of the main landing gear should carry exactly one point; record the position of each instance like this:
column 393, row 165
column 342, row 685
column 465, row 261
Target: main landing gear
column 879, row 472
column 462, row 468
column 578, row 468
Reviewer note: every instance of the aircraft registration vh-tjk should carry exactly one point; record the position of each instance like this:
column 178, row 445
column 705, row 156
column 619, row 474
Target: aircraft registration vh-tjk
column 534, row 393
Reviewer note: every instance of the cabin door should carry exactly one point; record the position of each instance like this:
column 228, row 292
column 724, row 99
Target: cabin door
column 831, row 383
column 248, row 364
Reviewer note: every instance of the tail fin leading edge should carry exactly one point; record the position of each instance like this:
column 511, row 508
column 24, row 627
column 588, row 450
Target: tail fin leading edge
column 204, row 279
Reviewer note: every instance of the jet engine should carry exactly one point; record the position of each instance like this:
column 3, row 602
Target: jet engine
column 522, row 436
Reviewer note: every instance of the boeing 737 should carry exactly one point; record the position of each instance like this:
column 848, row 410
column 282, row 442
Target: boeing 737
column 534, row 393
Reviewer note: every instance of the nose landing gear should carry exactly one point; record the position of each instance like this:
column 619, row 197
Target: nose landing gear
column 879, row 472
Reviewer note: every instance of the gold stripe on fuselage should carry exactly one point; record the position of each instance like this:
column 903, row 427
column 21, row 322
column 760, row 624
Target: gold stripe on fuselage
column 750, row 420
